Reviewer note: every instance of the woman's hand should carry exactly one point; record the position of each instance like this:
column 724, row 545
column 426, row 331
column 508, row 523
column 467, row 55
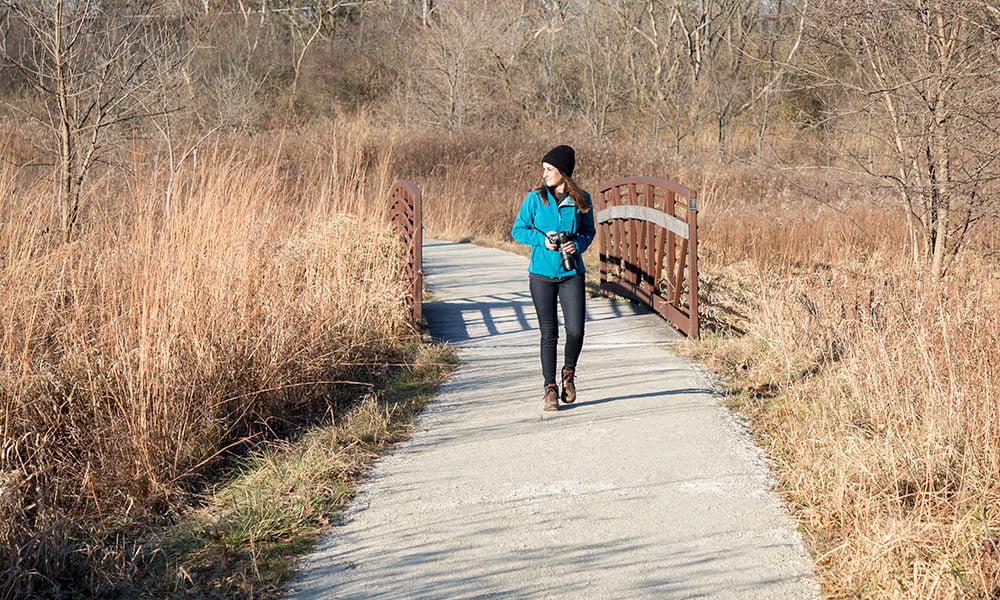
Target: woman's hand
column 568, row 246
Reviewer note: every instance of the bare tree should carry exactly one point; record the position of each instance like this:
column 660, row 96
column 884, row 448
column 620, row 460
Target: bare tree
column 662, row 89
column 730, row 56
column 92, row 68
column 459, row 57
column 310, row 22
column 697, row 64
column 920, row 108
column 452, row 50
column 603, row 92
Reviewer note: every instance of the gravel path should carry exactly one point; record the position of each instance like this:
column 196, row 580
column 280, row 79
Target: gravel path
column 647, row 487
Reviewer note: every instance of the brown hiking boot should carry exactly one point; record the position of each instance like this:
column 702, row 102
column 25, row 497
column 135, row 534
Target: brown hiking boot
column 551, row 398
column 569, row 387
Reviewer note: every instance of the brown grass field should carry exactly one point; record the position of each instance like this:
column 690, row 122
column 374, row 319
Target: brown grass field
column 172, row 328
column 132, row 357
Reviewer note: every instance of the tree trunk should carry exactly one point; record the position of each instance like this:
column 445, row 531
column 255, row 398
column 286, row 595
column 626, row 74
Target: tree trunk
column 67, row 202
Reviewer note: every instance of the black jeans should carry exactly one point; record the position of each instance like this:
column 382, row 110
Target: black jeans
column 570, row 295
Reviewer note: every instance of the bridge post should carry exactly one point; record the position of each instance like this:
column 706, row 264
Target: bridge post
column 406, row 214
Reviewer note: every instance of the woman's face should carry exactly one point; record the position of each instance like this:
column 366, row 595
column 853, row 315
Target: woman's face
column 551, row 175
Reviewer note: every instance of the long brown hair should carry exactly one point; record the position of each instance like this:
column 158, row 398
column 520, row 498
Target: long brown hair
column 574, row 192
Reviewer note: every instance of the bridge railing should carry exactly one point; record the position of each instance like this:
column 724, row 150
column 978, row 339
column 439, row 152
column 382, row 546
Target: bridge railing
column 648, row 238
column 406, row 214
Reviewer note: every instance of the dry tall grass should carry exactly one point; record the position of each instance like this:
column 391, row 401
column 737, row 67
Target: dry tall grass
column 875, row 390
column 132, row 356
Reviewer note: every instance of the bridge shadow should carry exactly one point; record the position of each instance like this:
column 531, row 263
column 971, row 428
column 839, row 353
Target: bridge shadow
column 500, row 319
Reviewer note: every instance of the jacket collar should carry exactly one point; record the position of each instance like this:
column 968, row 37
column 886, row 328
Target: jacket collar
column 550, row 195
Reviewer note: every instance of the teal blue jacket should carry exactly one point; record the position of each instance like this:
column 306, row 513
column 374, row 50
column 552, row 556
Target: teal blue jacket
column 535, row 218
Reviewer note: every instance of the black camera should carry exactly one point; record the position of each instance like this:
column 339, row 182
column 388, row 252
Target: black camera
column 557, row 239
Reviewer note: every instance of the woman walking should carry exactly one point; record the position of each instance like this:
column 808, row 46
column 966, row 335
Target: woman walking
column 556, row 220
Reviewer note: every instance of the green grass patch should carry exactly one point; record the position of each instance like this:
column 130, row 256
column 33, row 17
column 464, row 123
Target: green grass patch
column 245, row 538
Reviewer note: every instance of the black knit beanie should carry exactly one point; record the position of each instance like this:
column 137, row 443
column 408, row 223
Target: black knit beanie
column 562, row 158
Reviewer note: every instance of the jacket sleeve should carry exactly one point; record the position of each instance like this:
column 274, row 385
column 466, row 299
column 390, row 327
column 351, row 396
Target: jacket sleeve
column 586, row 231
column 524, row 224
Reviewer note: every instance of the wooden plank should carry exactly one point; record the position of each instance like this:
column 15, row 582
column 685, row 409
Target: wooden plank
column 634, row 267
column 661, row 235
column 679, row 274
column 633, row 241
column 650, row 245
column 694, row 327
column 642, row 254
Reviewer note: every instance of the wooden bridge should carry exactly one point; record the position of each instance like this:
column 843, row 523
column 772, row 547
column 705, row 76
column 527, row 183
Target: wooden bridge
column 647, row 230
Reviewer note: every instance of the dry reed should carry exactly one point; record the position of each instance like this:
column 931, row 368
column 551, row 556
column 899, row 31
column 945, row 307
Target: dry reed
column 203, row 304
column 875, row 391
